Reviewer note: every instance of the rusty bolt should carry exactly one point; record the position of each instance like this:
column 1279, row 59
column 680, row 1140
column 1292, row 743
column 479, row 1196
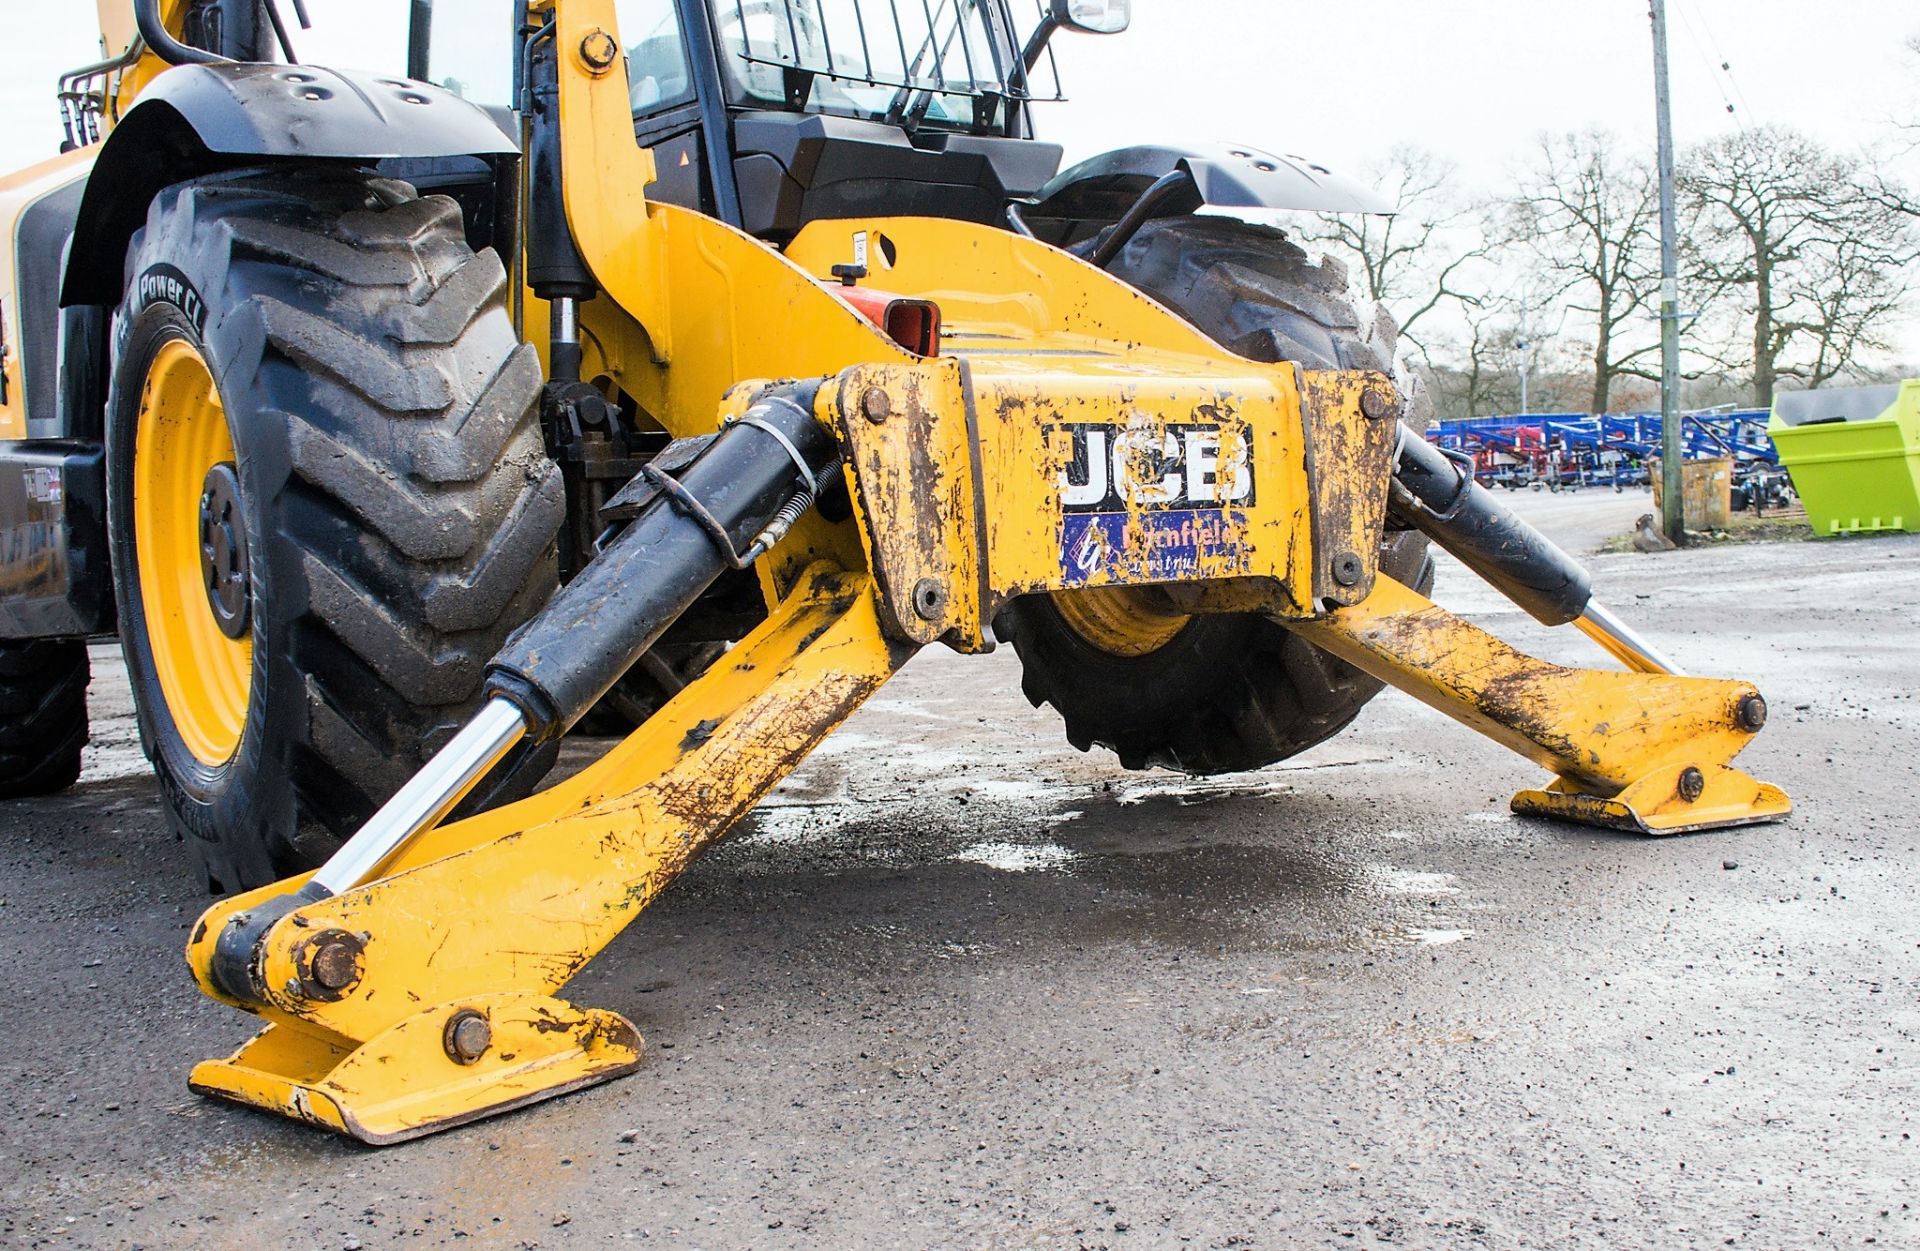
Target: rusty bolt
column 599, row 50
column 1347, row 569
column 876, row 404
column 1378, row 405
column 467, row 1036
column 1753, row 713
column 1693, row 783
column 330, row 962
column 929, row 599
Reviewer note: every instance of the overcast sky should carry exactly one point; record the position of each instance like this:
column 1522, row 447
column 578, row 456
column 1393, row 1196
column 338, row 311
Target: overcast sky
column 1476, row 80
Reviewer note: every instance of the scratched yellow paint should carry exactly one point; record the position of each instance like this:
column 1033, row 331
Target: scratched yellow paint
column 565, row 870
column 1604, row 735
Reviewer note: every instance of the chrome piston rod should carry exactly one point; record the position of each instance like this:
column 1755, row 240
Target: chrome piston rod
column 426, row 798
column 1622, row 641
column 1438, row 496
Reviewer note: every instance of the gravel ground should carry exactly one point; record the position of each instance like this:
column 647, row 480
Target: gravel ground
column 957, row 985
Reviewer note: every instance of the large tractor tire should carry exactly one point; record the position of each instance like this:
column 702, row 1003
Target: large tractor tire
column 43, row 716
column 1220, row 693
column 329, row 498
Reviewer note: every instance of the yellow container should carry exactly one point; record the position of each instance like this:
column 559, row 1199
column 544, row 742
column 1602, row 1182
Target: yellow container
column 1853, row 454
column 1706, row 492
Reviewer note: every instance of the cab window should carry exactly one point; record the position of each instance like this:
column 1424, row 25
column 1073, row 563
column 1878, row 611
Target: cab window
column 469, row 49
column 657, row 72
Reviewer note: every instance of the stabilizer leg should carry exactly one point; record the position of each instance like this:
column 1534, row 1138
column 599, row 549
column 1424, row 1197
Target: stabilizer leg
column 434, row 1070
column 1644, row 752
column 421, row 1000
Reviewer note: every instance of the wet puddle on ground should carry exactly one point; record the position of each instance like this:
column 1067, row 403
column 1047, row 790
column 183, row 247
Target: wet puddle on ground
column 1016, row 857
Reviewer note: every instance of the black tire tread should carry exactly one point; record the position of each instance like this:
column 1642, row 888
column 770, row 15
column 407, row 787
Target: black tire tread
column 417, row 517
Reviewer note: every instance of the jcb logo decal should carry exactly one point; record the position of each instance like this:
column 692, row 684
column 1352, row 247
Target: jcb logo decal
column 1152, row 503
column 1175, row 466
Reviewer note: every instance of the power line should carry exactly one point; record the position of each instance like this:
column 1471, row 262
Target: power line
column 1719, row 67
column 1706, row 63
column 1726, row 65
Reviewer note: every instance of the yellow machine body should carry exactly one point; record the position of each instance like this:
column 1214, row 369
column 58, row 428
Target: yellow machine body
column 959, row 467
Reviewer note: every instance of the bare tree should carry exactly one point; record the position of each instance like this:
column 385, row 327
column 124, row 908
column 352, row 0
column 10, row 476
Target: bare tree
column 1413, row 260
column 1906, row 126
column 1590, row 219
column 1490, row 358
column 1810, row 252
column 1855, row 300
column 1498, row 337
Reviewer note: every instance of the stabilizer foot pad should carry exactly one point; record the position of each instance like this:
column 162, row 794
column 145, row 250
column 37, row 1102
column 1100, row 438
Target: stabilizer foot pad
column 406, row 1081
column 1658, row 804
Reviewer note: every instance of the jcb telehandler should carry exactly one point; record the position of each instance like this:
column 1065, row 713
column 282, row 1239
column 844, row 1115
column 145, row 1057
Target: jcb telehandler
column 689, row 365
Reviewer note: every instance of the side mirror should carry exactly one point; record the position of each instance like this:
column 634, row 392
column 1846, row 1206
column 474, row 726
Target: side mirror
column 1094, row 17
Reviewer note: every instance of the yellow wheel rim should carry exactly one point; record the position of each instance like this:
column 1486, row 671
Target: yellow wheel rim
column 182, row 437
column 1125, row 621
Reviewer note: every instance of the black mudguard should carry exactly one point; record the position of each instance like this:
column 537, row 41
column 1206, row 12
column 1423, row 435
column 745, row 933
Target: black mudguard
column 1096, row 193
column 198, row 119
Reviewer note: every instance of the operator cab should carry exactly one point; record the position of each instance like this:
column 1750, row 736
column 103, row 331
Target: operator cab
column 770, row 114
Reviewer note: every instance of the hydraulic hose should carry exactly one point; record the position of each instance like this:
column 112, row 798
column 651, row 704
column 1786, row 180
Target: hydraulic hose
column 153, row 30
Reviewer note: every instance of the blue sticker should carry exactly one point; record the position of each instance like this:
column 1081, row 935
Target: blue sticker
column 1151, row 546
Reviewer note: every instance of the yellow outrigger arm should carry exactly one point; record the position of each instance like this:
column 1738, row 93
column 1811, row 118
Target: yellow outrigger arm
column 1640, row 752
column 410, row 985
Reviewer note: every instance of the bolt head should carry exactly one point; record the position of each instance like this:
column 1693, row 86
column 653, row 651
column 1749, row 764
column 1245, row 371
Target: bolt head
column 1378, row 405
column 330, row 964
column 599, row 50
column 1693, row 784
column 1348, row 569
column 467, row 1036
column 929, row 599
column 336, row 965
column 876, row 405
column 1753, row 713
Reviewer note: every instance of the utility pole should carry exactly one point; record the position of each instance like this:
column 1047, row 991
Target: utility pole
column 1672, row 491
column 1525, row 345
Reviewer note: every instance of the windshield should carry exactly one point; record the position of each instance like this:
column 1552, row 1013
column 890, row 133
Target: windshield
column 913, row 60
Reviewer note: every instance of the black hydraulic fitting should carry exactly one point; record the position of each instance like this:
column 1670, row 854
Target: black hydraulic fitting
column 556, row 270
column 1436, row 496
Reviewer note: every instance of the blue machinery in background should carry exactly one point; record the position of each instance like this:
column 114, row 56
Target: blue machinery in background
column 1576, row 449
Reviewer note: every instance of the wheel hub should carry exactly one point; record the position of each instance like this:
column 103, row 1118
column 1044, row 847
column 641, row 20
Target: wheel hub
column 1120, row 620
column 223, row 550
